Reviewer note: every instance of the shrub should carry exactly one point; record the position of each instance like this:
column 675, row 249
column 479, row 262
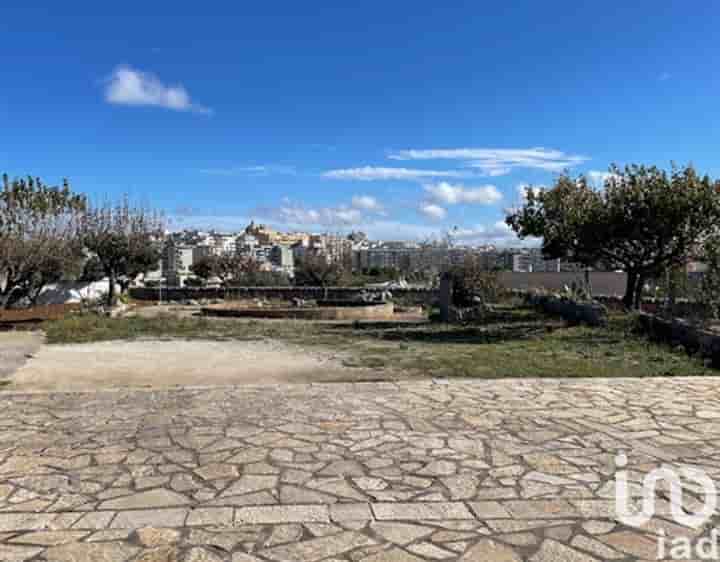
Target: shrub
column 472, row 282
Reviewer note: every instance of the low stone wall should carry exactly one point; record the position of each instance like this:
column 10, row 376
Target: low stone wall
column 602, row 282
column 677, row 331
column 592, row 314
column 36, row 314
column 383, row 311
column 410, row 297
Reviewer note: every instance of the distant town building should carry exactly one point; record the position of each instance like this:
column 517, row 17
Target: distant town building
column 177, row 261
column 283, row 260
column 280, row 251
column 222, row 244
column 532, row 261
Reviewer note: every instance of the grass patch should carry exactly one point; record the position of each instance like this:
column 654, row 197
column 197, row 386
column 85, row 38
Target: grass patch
column 514, row 343
column 87, row 328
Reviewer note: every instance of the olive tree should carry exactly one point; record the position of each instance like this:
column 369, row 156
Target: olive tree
column 126, row 240
column 644, row 221
column 708, row 292
column 40, row 239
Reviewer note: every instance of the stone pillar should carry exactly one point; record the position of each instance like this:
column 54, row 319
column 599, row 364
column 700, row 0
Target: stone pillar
column 445, row 297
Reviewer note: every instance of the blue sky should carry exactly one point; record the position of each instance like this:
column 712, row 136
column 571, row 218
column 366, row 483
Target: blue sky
column 400, row 118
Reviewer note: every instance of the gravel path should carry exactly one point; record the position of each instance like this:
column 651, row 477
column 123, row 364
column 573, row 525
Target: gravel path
column 174, row 362
column 16, row 348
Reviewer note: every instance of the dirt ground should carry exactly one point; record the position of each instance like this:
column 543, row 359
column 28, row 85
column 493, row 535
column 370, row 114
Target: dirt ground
column 168, row 363
column 15, row 349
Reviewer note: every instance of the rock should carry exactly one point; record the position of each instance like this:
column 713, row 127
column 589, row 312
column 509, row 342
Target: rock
column 97, row 552
column 152, row 536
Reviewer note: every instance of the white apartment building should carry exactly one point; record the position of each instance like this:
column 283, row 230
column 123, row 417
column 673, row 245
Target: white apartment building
column 223, row 243
column 177, row 260
column 283, row 259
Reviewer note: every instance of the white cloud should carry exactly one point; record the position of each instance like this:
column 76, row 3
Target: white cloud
column 373, row 173
column 496, row 161
column 450, row 194
column 255, row 170
column 432, row 211
column 597, row 178
column 362, row 209
column 497, row 233
column 128, row 86
column 325, row 216
column 523, row 189
column 366, row 203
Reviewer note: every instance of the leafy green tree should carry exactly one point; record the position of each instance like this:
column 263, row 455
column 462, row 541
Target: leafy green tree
column 126, row 240
column 708, row 293
column 92, row 270
column 40, row 239
column 644, row 221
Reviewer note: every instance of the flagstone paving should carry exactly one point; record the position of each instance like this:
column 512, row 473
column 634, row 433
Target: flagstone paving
column 378, row 472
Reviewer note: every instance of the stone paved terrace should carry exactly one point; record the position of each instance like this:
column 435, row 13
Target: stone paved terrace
column 472, row 471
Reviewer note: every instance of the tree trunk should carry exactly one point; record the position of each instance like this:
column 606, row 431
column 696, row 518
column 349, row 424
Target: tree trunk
column 588, row 285
column 638, row 292
column 111, row 290
column 630, row 286
column 8, row 299
column 671, row 292
column 33, row 296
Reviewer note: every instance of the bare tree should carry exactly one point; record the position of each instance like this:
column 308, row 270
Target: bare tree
column 227, row 268
column 472, row 281
column 317, row 270
column 39, row 237
column 126, row 240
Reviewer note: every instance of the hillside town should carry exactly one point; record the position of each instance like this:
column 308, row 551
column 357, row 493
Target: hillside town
column 278, row 252
column 371, row 282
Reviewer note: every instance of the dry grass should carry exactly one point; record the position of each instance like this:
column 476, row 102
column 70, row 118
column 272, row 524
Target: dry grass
column 516, row 343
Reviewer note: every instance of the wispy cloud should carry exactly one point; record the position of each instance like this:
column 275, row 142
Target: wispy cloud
column 254, row 170
column 452, row 194
column 129, row 86
column 373, row 173
column 496, row 161
column 432, row 211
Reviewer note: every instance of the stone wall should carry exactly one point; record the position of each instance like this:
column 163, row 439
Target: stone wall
column 592, row 314
column 607, row 283
column 677, row 331
column 370, row 312
column 410, row 297
column 604, row 283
